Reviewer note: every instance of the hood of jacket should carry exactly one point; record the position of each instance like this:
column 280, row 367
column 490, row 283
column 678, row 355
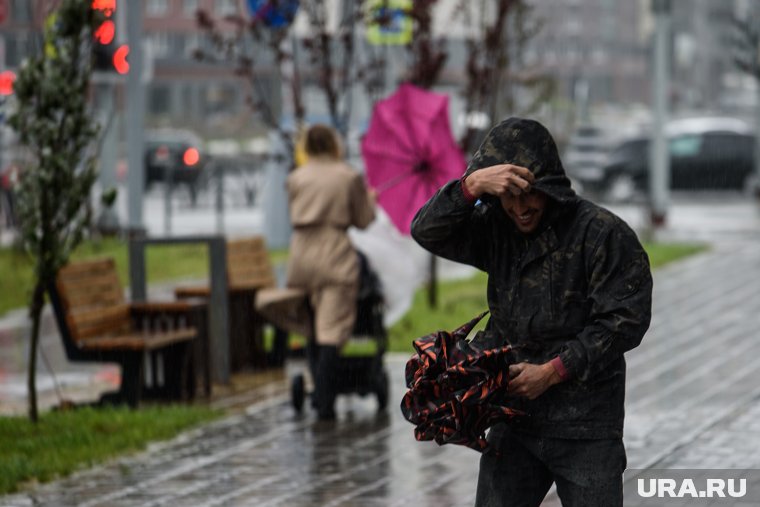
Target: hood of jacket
column 529, row 144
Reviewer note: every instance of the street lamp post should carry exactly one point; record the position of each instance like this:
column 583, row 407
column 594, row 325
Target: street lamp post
column 756, row 183
column 135, row 116
column 659, row 166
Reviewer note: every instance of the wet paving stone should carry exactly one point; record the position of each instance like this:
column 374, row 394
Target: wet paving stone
column 691, row 399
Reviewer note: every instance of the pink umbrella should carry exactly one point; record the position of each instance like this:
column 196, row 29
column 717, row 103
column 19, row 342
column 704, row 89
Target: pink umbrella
column 409, row 151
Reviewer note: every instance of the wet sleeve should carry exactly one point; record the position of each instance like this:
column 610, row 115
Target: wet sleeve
column 620, row 291
column 362, row 207
column 450, row 226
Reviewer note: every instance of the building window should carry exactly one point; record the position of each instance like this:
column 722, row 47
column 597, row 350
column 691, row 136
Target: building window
column 573, row 26
column 159, row 100
column 157, row 8
column 21, row 10
column 159, row 44
column 226, row 8
column 530, row 56
column 220, row 98
column 190, row 7
column 741, row 8
column 16, row 49
column 191, row 44
column 599, row 56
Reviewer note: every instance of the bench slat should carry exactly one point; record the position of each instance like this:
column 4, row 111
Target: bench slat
column 91, row 322
column 89, row 283
column 138, row 341
column 198, row 291
column 86, row 268
column 98, row 293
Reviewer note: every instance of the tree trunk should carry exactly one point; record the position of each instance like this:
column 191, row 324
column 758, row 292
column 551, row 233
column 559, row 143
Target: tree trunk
column 38, row 300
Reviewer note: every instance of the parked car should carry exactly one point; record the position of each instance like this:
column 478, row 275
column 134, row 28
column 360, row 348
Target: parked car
column 586, row 153
column 180, row 152
column 705, row 154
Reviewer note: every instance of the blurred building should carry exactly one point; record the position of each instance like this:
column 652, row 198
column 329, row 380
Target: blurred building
column 601, row 49
column 184, row 91
column 704, row 74
column 181, row 90
column 593, row 48
column 597, row 51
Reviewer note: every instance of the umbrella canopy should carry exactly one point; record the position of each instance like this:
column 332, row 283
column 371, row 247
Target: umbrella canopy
column 456, row 391
column 409, row 151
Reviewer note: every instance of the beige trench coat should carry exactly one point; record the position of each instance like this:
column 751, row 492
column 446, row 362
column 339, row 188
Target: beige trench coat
column 326, row 198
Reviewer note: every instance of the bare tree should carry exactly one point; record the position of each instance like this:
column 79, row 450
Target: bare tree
column 428, row 54
column 745, row 45
column 495, row 64
column 255, row 49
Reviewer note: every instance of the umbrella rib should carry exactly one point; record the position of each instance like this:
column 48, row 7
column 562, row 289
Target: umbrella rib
column 425, row 189
column 394, row 156
column 394, row 181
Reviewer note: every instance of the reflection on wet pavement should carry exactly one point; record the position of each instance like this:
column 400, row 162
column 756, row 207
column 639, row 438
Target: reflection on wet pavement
column 691, row 403
column 272, row 456
column 78, row 382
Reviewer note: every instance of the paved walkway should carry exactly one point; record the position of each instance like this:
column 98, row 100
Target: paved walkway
column 692, row 403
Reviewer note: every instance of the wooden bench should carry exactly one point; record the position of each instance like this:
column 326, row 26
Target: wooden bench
column 250, row 276
column 97, row 324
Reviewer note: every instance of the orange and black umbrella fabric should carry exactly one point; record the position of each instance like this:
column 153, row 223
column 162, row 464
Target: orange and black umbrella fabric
column 456, row 391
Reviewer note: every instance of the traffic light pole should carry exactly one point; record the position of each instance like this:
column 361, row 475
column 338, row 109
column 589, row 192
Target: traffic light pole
column 135, row 115
column 659, row 160
column 107, row 220
column 755, row 185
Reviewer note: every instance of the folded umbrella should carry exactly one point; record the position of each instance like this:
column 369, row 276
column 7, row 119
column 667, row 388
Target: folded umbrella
column 456, row 390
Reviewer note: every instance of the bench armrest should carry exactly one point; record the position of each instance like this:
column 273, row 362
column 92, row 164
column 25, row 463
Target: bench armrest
column 174, row 307
column 196, row 291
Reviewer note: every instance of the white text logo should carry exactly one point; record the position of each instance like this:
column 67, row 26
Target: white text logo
column 714, row 488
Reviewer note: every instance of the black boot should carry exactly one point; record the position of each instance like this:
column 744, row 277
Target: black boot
column 326, row 381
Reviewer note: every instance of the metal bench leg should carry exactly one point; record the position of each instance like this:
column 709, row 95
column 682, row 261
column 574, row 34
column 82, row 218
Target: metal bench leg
column 190, row 379
column 178, row 372
column 131, row 379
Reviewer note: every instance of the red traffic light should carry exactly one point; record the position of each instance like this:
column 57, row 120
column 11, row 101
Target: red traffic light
column 6, row 82
column 107, row 6
column 120, row 62
column 105, row 32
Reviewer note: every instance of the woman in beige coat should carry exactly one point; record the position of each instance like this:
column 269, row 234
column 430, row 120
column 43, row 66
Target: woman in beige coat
column 326, row 198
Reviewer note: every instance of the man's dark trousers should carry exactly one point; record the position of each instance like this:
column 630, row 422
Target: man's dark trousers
column 520, row 468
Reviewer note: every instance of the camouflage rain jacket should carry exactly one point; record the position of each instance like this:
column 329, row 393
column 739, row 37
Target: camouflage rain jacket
column 578, row 287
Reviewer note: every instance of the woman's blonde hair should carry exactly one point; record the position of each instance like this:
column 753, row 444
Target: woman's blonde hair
column 322, row 140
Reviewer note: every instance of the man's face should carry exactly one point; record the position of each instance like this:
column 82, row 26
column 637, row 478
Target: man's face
column 525, row 210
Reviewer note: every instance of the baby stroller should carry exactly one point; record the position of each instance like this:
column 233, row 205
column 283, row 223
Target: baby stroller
column 360, row 367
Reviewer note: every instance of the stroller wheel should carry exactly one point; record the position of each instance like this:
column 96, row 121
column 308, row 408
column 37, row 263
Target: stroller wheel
column 297, row 392
column 381, row 389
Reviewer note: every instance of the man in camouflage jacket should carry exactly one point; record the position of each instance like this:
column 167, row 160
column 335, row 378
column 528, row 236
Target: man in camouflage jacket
column 569, row 287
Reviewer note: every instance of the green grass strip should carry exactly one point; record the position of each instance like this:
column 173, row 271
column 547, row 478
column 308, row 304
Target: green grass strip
column 63, row 442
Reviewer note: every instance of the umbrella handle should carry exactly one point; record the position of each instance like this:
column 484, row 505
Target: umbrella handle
column 393, row 181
